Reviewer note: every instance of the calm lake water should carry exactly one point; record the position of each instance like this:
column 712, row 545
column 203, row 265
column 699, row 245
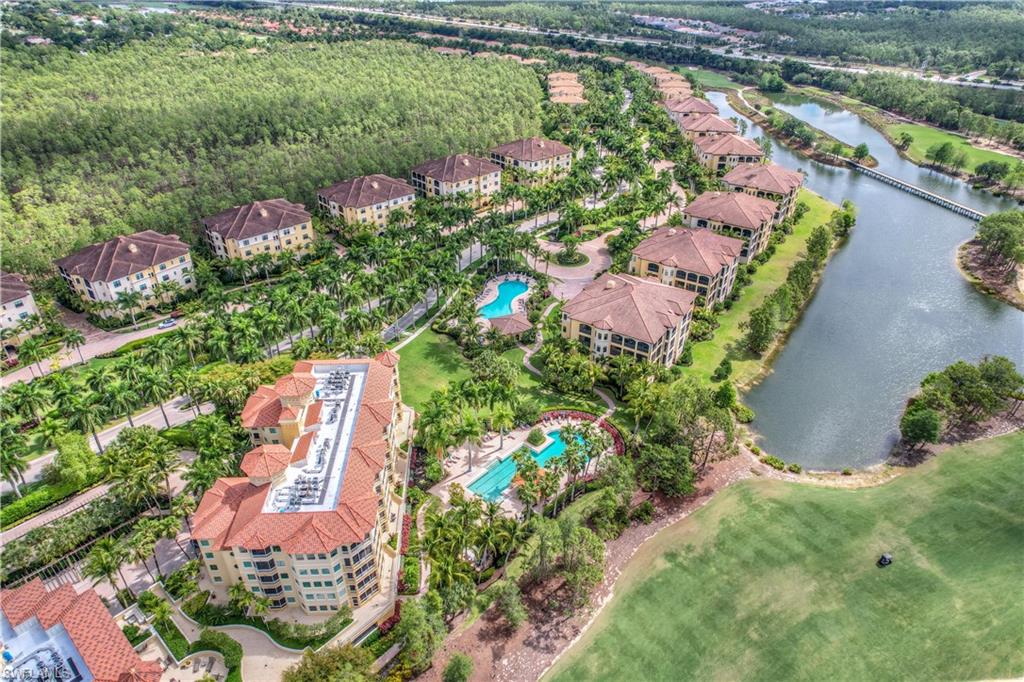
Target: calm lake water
column 890, row 308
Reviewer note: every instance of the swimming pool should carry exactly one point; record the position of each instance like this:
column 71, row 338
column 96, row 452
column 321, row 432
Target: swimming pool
column 502, row 305
column 493, row 483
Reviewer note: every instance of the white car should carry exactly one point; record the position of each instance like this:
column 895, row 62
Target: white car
column 167, row 324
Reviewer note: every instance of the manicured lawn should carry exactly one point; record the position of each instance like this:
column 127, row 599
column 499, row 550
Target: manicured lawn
column 926, row 136
column 777, row 581
column 712, row 80
column 745, row 365
column 431, row 360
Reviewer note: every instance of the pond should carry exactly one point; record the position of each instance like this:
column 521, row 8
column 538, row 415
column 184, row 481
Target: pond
column 891, row 306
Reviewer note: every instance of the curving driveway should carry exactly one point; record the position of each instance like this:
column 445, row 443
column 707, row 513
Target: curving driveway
column 570, row 280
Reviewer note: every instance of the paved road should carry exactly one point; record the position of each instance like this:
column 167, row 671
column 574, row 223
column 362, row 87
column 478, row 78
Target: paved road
column 97, row 342
column 178, row 412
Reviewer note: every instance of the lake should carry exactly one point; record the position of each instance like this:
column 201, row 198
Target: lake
column 890, row 308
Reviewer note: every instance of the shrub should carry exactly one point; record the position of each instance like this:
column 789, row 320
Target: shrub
column 795, row 468
column 147, row 601
column 196, row 604
column 847, row 472
column 644, row 512
column 211, row 640
column 723, row 370
column 135, row 634
column 774, row 462
column 459, row 668
column 756, row 450
column 485, row 575
column 744, row 414
column 39, row 499
column 535, row 437
column 433, row 473
column 410, row 576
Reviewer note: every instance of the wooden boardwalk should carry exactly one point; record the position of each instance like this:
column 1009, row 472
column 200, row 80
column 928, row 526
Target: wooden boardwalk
column 966, row 211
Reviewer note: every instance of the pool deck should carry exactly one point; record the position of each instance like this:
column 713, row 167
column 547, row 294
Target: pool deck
column 490, row 293
column 456, row 467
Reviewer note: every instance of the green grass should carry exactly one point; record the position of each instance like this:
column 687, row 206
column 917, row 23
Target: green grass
column 712, row 80
column 746, row 366
column 432, row 360
column 777, row 581
column 926, row 136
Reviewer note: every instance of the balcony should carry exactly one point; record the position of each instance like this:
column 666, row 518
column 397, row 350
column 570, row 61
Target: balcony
column 264, row 566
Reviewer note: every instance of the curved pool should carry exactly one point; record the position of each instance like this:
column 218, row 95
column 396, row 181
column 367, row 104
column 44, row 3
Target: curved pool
column 492, row 484
column 508, row 291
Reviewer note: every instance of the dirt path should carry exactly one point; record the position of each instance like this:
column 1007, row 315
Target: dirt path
column 524, row 655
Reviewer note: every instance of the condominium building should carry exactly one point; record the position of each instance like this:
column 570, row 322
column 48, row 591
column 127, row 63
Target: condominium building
column 700, row 261
column 627, row 315
column 705, row 126
column 308, row 524
column 458, row 174
column 65, row 635
column 129, row 263
column 768, row 181
column 368, row 199
column 688, row 107
column 269, row 226
column 734, row 214
column 540, row 158
column 18, row 306
column 725, row 151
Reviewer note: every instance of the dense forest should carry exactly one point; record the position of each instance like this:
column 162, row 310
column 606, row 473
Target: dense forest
column 949, row 36
column 155, row 135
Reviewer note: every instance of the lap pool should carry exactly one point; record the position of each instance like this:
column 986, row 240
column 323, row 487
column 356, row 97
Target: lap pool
column 502, row 305
column 493, row 483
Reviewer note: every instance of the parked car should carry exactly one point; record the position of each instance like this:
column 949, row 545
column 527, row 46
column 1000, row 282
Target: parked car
column 167, row 324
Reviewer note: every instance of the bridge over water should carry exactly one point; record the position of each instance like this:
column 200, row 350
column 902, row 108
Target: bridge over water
column 966, row 211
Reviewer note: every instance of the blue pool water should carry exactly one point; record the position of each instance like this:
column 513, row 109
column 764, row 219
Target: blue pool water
column 495, row 480
column 502, row 305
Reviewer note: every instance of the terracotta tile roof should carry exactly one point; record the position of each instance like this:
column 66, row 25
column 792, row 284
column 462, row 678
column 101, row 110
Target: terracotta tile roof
column 367, row 190
column 295, row 385
column 257, row 218
column 631, row 306
column 231, row 512
column 12, row 287
column 511, row 325
column 388, row 358
column 532, row 149
column 302, row 446
column 674, row 91
column 456, row 168
column 104, row 648
column 568, row 99
column 266, row 460
column 701, row 251
column 567, row 89
column 263, row 408
column 313, row 414
column 450, row 50
column 614, row 60
column 725, row 145
column 708, row 123
column 562, row 75
column 767, row 177
column 690, row 105
column 732, row 208
column 123, row 255
column 670, row 77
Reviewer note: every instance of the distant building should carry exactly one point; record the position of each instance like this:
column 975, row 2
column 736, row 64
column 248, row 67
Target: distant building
column 725, row 151
column 768, row 181
column 366, row 199
column 18, row 305
column 706, row 125
column 734, row 214
column 700, row 261
column 64, row 635
column 136, row 262
column 270, row 226
column 688, row 107
column 537, row 156
column 474, row 177
column 308, row 524
column 626, row 315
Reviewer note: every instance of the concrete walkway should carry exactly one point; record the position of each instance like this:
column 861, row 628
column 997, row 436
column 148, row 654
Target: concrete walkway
column 570, row 280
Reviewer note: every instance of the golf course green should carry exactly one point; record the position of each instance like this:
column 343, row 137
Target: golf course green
column 774, row 580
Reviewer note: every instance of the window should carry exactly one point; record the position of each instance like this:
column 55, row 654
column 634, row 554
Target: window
column 247, row 564
column 163, row 266
column 117, row 283
column 208, row 555
column 218, row 579
column 181, row 259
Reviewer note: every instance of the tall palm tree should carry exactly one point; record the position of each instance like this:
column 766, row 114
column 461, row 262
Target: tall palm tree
column 31, row 352
column 139, row 547
column 12, row 456
column 128, row 301
column 74, row 338
column 104, row 562
column 155, row 386
column 27, row 399
column 122, row 398
column 502, row 419
column 191, row 338
column 183, row 506
column 471, row 432
column 84, row 415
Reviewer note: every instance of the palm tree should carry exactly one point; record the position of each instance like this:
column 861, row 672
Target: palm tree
column 140, row 547
column 129, row 301
column 191, row 337
column 155, row 387
column 240, row 597
column 161, row 613
column 31, row 351
column 183, row 506
column 470, row 431
column 122, row 398
column 12, row 456
column 73, row 338
column 83, row 415
column 502, row 419
column 104, row 562
column 27, row 399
